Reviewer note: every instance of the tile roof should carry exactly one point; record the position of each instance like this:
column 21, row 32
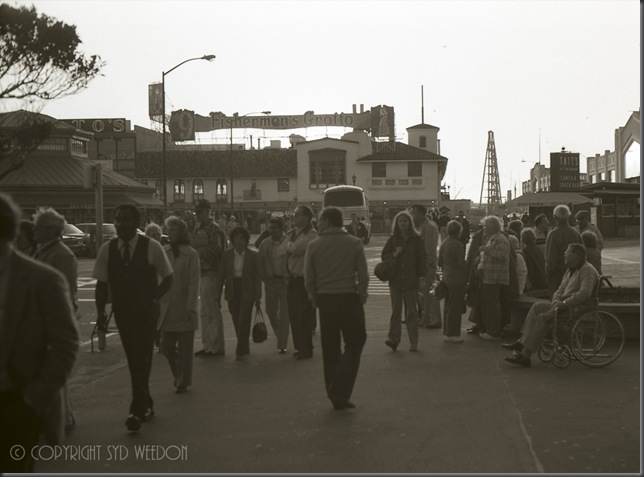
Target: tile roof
column 64, row 173
column 399, row 151
column 212, row 164
column 14, row 119
column 422, row 126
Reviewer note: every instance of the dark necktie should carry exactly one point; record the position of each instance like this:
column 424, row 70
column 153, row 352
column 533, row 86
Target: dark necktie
column 126, row 253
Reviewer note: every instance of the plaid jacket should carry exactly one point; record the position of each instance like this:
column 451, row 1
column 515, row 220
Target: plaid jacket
column 496, row 260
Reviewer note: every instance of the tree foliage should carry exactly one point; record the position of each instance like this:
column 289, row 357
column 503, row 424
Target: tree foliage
column 20, row 136
column 39, row 56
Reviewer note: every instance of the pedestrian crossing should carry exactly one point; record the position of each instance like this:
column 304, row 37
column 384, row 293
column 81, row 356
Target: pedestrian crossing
column 376, row 287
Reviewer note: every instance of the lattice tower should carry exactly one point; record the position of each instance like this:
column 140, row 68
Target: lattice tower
column 491, row 176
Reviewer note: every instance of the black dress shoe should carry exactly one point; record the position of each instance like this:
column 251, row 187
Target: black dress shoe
column 340, row 404
column 519, row 359
column 392, row 345
column 201, row 352
column 516, row 346
column 133, row 423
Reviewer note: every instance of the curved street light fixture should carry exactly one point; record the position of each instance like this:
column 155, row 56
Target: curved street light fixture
column 163, row 153
column 232, row 163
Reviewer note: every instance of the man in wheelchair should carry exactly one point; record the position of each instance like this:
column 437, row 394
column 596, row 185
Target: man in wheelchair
column 576, row 290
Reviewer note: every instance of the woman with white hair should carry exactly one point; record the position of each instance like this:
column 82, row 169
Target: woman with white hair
column 179, row 319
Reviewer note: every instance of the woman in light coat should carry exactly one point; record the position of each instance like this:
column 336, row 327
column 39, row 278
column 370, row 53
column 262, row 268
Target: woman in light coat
column 179, row 307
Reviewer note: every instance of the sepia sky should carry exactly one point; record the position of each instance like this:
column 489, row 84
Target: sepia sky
column 568, row 71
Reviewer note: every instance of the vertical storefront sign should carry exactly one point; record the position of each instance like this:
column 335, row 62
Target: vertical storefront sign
column 564, row 171
column 155, row 100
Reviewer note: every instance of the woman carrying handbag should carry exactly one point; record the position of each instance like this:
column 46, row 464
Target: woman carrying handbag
column 408, row 250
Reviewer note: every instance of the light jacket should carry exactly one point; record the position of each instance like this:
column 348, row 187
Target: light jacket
column 335, row 263
column 183, row 296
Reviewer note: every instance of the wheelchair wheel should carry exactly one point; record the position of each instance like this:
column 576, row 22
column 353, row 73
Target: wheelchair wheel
column 597, row 338
column 546, row 352
column 561, row 359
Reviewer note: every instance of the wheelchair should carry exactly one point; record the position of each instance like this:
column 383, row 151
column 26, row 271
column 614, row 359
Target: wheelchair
column 587, row 334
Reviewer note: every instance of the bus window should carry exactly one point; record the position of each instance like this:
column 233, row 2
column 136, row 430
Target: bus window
column 344, row 198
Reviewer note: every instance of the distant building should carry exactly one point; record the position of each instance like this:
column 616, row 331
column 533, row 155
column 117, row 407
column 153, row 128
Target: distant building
column 612, row 166
column 540, row 180
column 53, row 175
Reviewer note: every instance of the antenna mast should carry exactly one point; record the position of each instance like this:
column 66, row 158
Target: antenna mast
column 422, row 105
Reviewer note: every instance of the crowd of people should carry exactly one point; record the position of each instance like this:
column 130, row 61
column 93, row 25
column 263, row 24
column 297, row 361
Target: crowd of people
column 162, row 294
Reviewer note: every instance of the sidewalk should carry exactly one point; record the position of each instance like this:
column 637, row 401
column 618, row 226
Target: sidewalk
column 448, row 408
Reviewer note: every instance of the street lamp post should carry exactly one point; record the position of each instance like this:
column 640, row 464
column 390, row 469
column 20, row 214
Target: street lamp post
column 353, row 177
column 232, row 164
column 163, row 120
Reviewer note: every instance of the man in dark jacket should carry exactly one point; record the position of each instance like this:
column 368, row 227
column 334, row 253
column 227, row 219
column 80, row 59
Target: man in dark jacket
column 38, row 347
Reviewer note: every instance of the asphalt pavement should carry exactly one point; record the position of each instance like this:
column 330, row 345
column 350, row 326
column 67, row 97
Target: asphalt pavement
column 450, row 408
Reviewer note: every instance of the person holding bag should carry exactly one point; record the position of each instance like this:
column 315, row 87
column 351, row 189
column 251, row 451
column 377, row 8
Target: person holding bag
column 408, row 250
column 241, row 274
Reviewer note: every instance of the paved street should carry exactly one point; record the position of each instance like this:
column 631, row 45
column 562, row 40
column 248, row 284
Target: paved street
column 448, row 408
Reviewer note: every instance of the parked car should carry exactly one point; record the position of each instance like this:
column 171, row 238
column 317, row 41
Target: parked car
column 109, row 232
column 76, row 240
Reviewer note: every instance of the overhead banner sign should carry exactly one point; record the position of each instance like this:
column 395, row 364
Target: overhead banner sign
column 309, row 119
column 380, row 120
column 564, row 171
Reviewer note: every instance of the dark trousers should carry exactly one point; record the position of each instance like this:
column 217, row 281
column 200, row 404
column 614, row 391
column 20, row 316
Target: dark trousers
column 491, row 312
column 453, row 311
column 341, row 318
column 177, row 346
column 137, row 335
column 300, row 314
column 242, row 313
column 20, row 427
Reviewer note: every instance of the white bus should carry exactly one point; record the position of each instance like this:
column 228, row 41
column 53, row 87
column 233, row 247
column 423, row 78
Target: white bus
column 351, row 200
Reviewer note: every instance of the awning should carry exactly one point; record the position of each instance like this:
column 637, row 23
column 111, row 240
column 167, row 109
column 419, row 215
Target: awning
column 545, row 199
column 81, row 199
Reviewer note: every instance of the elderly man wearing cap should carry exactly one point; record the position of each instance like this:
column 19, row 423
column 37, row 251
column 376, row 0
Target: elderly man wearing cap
column 583, row 225
column 208, row 240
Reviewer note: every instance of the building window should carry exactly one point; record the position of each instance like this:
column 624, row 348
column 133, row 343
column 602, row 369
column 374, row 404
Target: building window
column 376, row 181
column 590, row 178
column 422, row 141
column 327, row 167
column 415, row 169
column 283, row 184
column 197, row 190
column 600, row 177
column 79, row 147
column 378, row 169
column 416, row 182
column 609, row 176
column 221, row 190
column 158, row 185
column 390, row 181
column 179, row 190
column 53, row 144
column 403, row 181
